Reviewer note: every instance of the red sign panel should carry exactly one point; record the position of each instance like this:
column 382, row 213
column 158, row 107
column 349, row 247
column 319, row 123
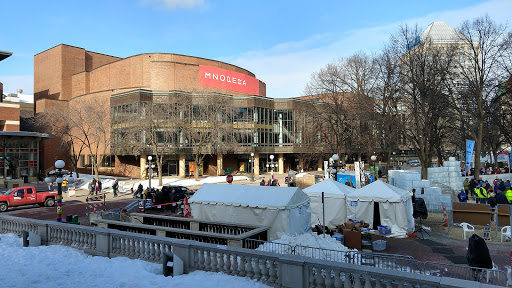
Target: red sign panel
column 227, row 79
column 229, row 178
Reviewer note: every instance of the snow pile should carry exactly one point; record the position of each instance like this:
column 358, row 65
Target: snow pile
column 124, row 186
column 308, row 245
column 61, row 266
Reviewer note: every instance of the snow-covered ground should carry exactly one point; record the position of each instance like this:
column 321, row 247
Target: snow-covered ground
column 125, row 185
column 61, row 266
column 308, row 245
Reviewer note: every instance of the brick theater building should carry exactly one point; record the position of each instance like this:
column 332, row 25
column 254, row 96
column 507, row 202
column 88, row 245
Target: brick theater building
column 194, row 93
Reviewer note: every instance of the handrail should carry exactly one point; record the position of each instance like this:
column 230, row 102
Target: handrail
column 395, row 262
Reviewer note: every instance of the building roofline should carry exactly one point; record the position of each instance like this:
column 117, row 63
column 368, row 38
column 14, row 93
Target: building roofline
column 23, row 134
column 4, row 55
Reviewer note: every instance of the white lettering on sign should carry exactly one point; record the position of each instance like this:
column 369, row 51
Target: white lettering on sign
column 224, row 78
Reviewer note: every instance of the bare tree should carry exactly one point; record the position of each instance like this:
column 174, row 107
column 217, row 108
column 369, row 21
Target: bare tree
column 424, row 77
column 56, row 121
column 345, row 86
column 481, row 67
column 387, row 95
column 89, row 123
column 209, row 127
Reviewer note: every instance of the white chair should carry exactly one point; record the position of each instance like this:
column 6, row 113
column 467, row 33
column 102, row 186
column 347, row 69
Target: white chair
column 467, row 228
column 505, row 231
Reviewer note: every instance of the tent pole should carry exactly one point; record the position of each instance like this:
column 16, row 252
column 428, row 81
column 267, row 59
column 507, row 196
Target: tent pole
column 323, row 214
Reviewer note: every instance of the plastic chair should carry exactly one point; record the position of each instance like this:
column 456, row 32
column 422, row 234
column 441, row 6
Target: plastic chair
column 467, row 228
column 505, row 231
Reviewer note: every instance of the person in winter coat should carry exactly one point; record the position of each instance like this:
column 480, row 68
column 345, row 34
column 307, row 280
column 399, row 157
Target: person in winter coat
column 262, row 183
column 115, row 187
column 466, row 186
column 91, row 188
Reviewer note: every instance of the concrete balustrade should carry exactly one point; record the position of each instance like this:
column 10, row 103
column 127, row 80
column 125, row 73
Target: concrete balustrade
column 272, row 269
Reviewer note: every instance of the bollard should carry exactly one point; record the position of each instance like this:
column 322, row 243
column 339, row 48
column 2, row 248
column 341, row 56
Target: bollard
column 172, row 264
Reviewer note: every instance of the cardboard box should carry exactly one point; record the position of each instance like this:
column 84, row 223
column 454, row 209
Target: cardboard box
column 349, row 225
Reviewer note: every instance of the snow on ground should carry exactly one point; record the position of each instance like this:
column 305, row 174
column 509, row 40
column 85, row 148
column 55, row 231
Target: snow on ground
column 125, row 185
column 62, row 266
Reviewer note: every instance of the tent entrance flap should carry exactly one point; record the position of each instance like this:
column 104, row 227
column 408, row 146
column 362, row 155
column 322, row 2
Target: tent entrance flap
column 376, row 216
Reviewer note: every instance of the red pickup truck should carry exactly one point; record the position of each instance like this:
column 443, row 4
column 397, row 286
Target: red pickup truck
column 26, row 196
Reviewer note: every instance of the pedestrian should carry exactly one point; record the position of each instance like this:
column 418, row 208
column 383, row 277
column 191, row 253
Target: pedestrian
column 347, row 183
column 462, row 196
column 91, row 188
column 501, row 198
column 173, row 200
column 466, row 186
column 138, row 193
column 100, row 185
column 64, row 185
column 262, row 183
column 115, row 186
column 508, row 194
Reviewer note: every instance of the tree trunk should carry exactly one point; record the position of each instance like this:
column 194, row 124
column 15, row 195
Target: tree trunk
column 478, row 148
column 159, row 164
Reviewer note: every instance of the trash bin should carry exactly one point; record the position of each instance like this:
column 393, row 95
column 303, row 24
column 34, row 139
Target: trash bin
column 69, row 218
column 75, row 219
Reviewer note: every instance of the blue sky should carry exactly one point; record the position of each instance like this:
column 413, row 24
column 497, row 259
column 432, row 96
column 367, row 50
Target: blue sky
column 282, row 42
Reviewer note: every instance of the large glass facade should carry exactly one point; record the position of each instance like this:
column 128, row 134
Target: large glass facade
column 18, row 157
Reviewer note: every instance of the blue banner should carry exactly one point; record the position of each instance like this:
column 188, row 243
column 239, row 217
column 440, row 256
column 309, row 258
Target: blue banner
column 510, row 158
column 470, row 145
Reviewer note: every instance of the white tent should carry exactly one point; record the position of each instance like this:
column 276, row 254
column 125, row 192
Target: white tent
column 334, row 202
column 285, row 210
column 394, row 206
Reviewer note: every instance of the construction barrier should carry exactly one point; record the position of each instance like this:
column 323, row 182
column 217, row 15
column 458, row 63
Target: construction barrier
column 445, row 216
column 93, row 206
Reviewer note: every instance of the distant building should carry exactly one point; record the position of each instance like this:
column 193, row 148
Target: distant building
column 19, row 150
column 65, row 75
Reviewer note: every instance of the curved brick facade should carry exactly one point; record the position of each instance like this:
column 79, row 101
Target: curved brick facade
column 67, row 76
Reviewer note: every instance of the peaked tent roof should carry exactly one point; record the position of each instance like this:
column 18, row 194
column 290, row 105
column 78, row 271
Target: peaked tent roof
column 379, row 191
column 251, row 196
column 330, row 186
column 439, row 32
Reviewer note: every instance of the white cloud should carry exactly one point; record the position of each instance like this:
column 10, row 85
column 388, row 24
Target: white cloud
column 174, row 4
column 11, row 83
column 287, row 67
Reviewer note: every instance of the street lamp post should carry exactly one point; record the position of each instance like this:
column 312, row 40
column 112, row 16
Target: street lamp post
column 271, row 164
column 251, row 162
column 333, row 166
column 150, row 167
column 373, row 158
column 59, row 173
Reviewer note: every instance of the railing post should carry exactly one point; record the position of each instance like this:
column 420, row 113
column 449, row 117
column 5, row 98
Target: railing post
column 194, row 226
column 103, row 244
column 183, row 250
column 43, row 232
column 292, row 272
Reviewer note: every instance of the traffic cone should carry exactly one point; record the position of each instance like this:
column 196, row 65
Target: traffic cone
column 445, row 217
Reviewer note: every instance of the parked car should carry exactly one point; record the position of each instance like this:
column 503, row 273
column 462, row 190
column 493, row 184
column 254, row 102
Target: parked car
column 414, row 162
column 181, row 191
column 19, row 196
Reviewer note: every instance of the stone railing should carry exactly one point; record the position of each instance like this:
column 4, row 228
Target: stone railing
column 192, row 224
column 272, row 269
column 176, row 233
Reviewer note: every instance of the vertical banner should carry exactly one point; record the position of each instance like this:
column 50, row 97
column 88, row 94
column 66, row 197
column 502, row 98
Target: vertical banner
column 510, row 159
column 470, row 144
column 358, row 175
